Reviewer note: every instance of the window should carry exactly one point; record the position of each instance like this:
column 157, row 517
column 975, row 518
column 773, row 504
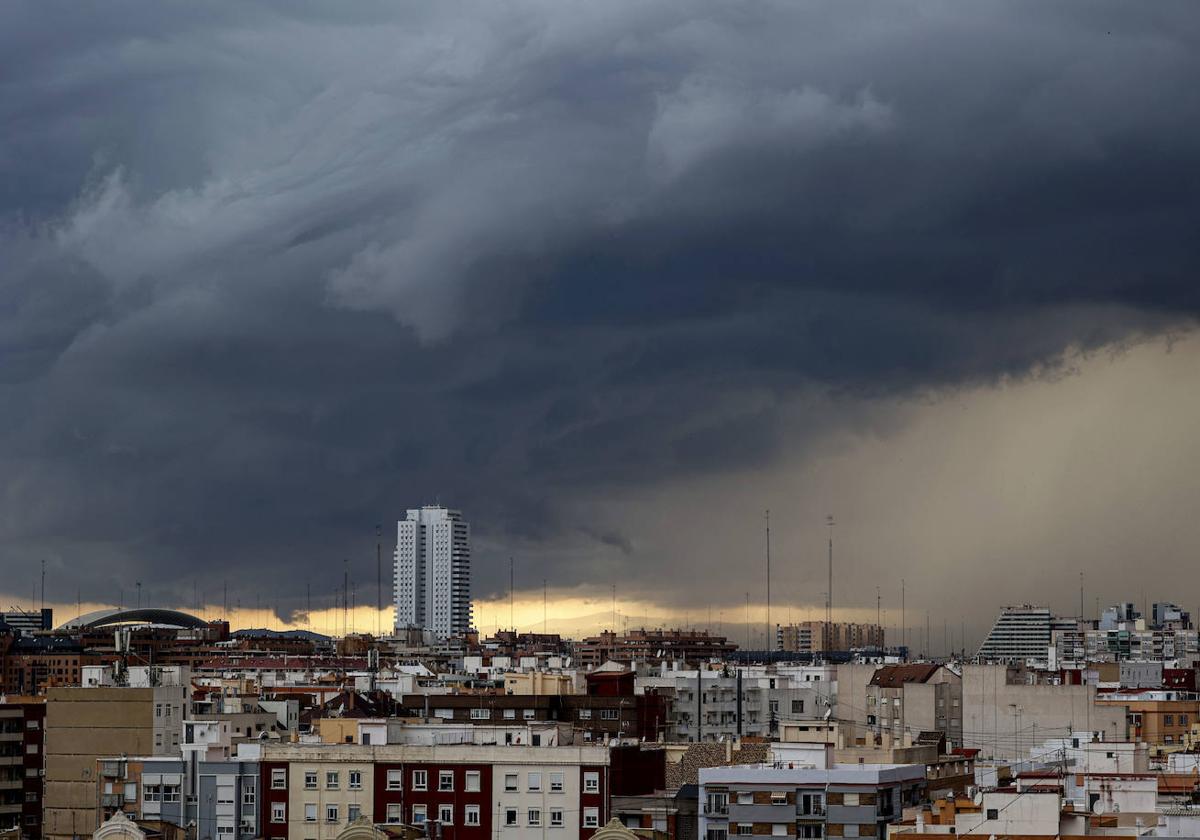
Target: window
column 591, row 817
column 510, row 816
column 510, row 782
column 481, row 714
column 745, row 798
column 556, row 782
column 310, row 779
column 355, row 780
column 170, row 793
column 353, row 812
column 393, row 812
column 152, row 793
column 529, row 714
column 811, row 830
column 471, row 781
column 420, row 780
column 31, row 749
column 444, row 714
column 224, row 794
column 556, row 817
column 1183, row 720
column 310, row 812
column 446, row 814
column 585, row 714
column 1168, row 720
column 773, row 706
column 778, row 797
column 31, row 724
column 797, row 707
column 395, row 779
column 277, row 812
column 745, row 829
column 131, row 791
column 535, row 781
column 850, row 799
column 331, row 781
column 510, row 714
column 279, row 780
column 446, row 780
column 533, row 817
column 471, row 815
column 591, row 782
column 993, row 813
column 610, row 714
column 418, row 814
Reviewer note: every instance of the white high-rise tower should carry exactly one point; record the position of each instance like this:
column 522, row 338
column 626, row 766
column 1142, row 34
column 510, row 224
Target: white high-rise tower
column 433, row 571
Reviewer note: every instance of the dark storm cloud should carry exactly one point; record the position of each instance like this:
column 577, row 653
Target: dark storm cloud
column 271, row 274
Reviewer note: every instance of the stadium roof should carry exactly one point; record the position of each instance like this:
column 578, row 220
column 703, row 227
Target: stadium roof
column 149, row 615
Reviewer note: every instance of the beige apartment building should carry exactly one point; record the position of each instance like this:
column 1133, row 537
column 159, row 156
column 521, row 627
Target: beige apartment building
column 86, row 724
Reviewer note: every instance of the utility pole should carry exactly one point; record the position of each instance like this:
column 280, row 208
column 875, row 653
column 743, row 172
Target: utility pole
column 139, row 594
column 345, row 595
column 903, row 622
column 767, row 637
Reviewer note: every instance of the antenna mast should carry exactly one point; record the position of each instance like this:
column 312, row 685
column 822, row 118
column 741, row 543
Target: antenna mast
column 378, row 580
column 767, row 637
column 829, row 594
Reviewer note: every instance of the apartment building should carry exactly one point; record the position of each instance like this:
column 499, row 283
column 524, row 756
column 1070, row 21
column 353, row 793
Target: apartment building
column 824, row 636
column 433, row 571
column 1007, row 710
column 220, row 798
column 1020, row 633
column 313, row 791
column 819, row 800
column 1159, row 718
column 716, row 705
column 653, row 646
column 22, row 730
column 914, row 698
column 85, row 724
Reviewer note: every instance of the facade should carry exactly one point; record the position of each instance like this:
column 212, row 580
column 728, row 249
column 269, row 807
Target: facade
column 813, row 801
column 433, row 571
column 315, row 791
column 1160, row 718
column 1006, row 711
column 1020, row 633
column 84, row 725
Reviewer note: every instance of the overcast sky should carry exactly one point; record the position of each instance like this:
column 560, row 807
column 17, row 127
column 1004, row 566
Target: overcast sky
column 612, row 279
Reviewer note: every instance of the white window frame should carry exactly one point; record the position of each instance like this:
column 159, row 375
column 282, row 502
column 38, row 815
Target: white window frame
column 591, row 817
column 515, row 814
column 591, row 782
column 446, row 813
column 279, row 778
column 556, row 782
column 395, row 780
column 512, row 782
column 556, row 817
column 278, row 812
column 534, row 782
column 420, row 780
column 472, row 781
column 445, row 781
column 310, row 812
column 394, row 813
column 354, row 779
column 420, row 813
column 533, row 817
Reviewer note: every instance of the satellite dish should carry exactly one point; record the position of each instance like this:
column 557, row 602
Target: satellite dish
column 828, row 713
column 1098, row 808
column 977, row 797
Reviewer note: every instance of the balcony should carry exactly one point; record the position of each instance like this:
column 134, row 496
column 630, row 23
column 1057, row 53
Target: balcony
column 111, row 800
